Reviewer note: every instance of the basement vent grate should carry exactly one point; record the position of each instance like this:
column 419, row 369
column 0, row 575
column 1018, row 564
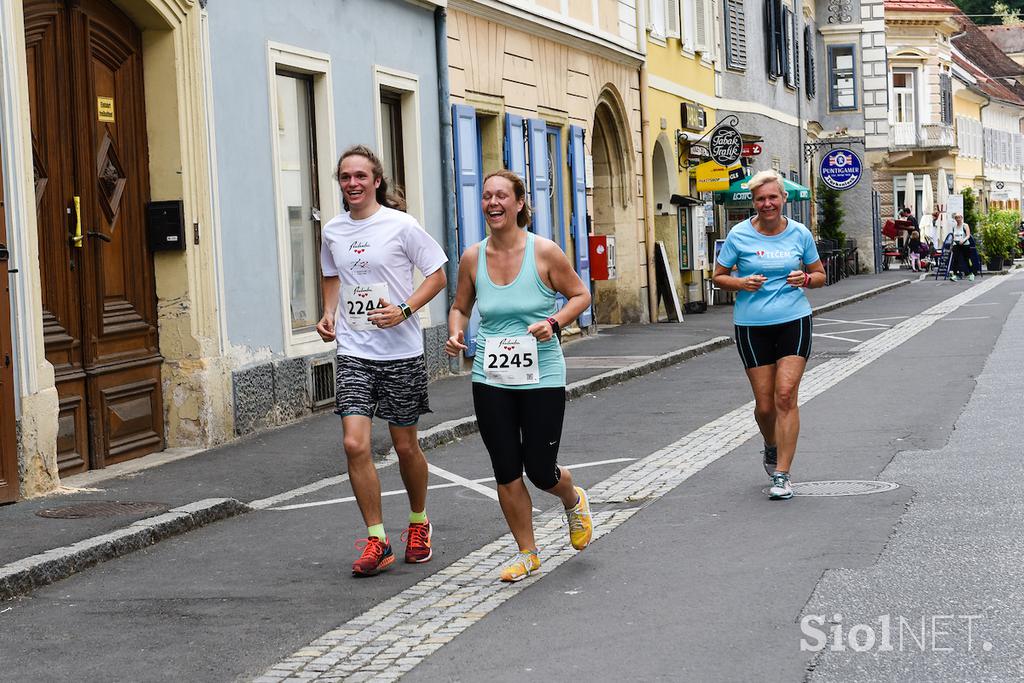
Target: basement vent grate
column 321, row 384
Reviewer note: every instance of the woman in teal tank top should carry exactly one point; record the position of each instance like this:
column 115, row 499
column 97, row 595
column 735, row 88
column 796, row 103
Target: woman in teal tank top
column 513, row 277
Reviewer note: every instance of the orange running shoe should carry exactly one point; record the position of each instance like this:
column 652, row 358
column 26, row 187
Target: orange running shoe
column 376, row 557
column 417, row 542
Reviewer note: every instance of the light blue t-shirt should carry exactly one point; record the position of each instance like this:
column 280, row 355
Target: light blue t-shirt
column 775, row 257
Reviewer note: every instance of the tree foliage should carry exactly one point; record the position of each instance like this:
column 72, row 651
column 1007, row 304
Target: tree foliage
column 971, row 215
column 830, row 206
column 978, row 10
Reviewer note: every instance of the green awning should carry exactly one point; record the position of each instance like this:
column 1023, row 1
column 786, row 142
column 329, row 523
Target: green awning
column 739, row 195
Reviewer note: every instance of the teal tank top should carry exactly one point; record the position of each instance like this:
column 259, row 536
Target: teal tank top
column 507, row 310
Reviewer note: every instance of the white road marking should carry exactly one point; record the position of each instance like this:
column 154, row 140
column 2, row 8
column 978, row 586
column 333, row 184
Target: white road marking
column 450, row 484
column 832, row 336
column 392, row 637
column 462, row 481
column 973, row 317
column 987, row 303
column 865, row 321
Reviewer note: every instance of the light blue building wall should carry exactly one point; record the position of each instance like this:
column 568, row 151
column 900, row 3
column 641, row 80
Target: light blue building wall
column 348, row 51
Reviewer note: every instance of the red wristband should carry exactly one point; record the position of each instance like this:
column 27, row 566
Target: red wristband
column 807, row 279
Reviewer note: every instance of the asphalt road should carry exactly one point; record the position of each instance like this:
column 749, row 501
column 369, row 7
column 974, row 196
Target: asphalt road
column 706, row 581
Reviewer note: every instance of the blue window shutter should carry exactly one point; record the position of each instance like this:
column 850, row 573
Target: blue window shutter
column 467, row 193
column 577, row 166
column 540, row 180
column 515, row 148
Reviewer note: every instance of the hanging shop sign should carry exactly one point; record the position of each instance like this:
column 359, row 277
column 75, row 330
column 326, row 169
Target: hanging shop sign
column 840, row 169
column 712, row 176
column 751, row 149
column 693, row 116
column 726, row 145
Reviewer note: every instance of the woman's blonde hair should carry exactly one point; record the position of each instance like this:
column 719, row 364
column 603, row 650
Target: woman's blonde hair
column 519, row 187
column 763, row 178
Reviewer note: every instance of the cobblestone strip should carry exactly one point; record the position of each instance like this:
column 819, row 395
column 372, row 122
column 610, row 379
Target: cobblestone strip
column 391, row 638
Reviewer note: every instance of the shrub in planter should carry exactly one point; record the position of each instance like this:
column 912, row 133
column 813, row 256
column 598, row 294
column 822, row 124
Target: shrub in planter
column 997, row 237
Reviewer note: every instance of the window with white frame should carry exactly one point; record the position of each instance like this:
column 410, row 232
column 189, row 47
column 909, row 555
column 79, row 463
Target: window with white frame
column 398, row 134
column 687, row 26
column 699, row 32
column 968, row 137
column 297, row 180
column 842, row 78
column 903, row 97
column 302, row 141
column 663, row 18
column 392, row 148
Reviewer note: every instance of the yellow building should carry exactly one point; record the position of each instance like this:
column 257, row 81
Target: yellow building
column 680, row 78
column 968, row 103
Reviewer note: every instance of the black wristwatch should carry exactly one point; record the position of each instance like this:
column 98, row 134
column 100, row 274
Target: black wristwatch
column 406, row 311
column 555, row 327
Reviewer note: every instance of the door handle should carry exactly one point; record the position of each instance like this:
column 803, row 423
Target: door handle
column 76, row 239
column 103, row 237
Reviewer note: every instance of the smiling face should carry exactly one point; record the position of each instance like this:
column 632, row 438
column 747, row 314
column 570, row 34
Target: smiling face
column 499, row 203
column 358, row 184
column 768, row 201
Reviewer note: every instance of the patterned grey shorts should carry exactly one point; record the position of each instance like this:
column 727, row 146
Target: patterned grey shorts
column 393, row 390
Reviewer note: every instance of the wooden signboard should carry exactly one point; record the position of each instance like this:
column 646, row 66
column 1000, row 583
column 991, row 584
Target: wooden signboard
column 666, row 289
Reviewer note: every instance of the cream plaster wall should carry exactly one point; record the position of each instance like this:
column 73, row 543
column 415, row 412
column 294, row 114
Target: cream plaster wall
column 499, row 69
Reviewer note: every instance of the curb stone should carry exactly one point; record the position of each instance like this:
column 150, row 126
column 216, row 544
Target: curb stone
column 25, row 575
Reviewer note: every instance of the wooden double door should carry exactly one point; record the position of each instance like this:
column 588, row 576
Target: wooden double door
column 91, row 188
column 8, row 447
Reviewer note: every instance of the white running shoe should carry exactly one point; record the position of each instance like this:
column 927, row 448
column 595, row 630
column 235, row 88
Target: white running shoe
column 781, row 488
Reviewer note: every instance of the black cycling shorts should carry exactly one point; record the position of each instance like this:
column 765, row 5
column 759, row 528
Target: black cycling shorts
column 521, row 429
column 765, row 344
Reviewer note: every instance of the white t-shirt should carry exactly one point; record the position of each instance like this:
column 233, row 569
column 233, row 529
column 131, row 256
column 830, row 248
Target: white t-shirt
column 379, row 250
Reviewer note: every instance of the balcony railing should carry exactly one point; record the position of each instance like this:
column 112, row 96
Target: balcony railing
column 928, row 136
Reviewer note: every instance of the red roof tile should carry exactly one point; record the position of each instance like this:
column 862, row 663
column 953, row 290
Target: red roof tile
column 921, row 6
column 1007, row 38
column 975, row 45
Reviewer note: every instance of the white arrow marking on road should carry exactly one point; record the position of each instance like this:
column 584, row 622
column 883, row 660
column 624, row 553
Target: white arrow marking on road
column 452, row 483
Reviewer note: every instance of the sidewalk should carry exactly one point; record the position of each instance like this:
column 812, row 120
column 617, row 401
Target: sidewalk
column 233, row 479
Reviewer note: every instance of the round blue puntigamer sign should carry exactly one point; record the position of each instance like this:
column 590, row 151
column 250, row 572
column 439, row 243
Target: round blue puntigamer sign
column 840, row 169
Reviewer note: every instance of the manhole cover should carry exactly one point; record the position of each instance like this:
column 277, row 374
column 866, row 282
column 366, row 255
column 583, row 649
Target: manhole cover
column 841, row 488
column 102, row 508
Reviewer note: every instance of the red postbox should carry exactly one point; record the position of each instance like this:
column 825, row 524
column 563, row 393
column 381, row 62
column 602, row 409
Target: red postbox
column 602, row 257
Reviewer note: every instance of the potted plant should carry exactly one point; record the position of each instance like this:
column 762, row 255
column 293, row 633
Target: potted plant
column 998, row 237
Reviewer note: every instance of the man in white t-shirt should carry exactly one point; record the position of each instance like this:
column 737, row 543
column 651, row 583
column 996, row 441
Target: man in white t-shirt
column 367, row 257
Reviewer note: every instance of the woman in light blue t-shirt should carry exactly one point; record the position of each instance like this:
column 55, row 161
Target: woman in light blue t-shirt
column 769, row 260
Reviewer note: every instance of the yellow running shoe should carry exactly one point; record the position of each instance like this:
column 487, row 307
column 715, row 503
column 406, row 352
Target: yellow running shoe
column 581, row 526
column 522, row 564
